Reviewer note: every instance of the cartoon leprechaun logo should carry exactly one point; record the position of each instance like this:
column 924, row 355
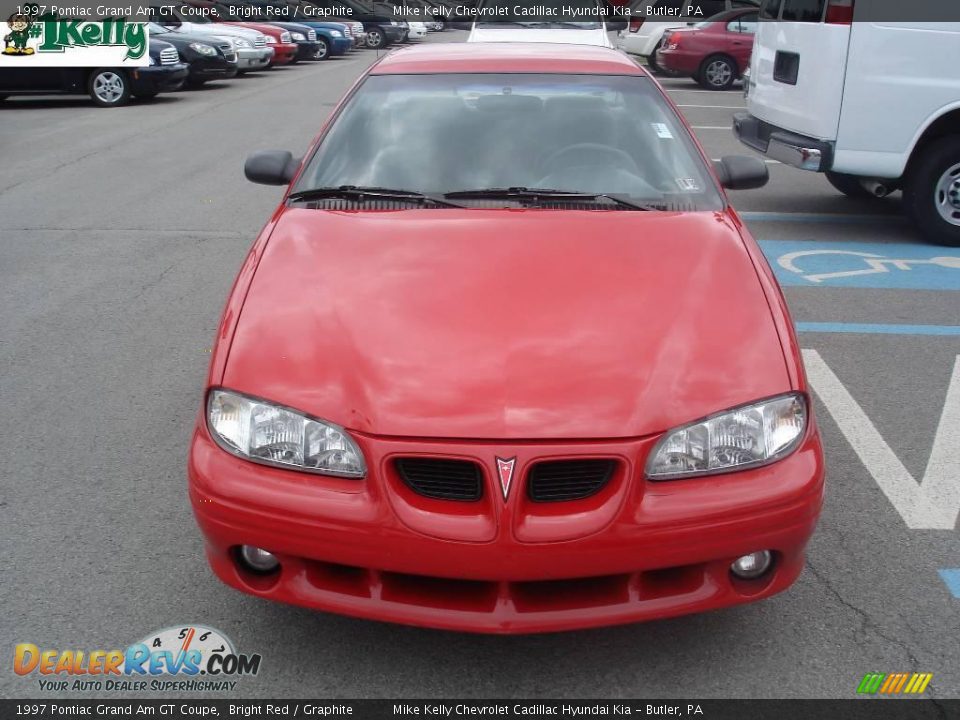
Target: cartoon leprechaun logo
column 16, row 40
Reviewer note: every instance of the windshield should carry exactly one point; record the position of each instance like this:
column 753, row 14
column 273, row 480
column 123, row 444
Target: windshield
column 443, row 133
column 566, row 14
column 155, row 29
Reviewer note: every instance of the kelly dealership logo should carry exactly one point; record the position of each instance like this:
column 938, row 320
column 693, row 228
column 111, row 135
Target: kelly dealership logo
column 184, row 658
column 33, row 37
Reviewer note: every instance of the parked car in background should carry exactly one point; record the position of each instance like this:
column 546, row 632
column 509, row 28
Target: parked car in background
column 644, row 35
column 251, row 47
column 714, row 52
column 107, row 87
column 510, row 27
column 875, row 106
column 417, row 30
column 381, row 28
column 334, row 38
column 209, row 57
column 284, row 49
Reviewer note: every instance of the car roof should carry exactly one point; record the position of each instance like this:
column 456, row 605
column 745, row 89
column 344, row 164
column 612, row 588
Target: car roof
column 440, row 58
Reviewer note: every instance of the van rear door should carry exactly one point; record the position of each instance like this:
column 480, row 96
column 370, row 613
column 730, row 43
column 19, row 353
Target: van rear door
column 799, row 64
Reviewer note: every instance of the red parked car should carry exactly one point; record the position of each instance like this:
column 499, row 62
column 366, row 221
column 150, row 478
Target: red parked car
column 504, row 359
column 714, row 52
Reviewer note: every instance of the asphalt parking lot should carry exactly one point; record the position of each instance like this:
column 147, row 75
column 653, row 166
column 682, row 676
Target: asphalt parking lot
column 120, row 233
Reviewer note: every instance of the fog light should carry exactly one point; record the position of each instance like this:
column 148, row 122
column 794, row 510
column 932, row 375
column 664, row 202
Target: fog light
column 752, row 566
column 258, row 559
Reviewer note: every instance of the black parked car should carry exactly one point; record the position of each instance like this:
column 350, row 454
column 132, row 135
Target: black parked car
column 209, row 57
column 107, row 87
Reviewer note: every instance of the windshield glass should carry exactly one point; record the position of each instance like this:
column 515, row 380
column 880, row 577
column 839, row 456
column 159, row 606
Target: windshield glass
column 566, row 14
column 442, row 133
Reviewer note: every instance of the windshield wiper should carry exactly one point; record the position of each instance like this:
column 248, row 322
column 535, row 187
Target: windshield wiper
column 360, row 194
column 534, row 194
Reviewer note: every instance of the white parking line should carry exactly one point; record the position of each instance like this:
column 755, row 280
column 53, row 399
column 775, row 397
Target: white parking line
column 719, row 107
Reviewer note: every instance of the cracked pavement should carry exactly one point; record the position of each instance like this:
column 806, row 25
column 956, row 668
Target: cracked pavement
column 122, row 232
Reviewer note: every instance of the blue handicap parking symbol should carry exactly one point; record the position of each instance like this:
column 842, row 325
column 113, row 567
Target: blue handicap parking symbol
column 909, row 266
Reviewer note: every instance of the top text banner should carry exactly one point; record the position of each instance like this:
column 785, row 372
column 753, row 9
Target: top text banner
column 488, row 11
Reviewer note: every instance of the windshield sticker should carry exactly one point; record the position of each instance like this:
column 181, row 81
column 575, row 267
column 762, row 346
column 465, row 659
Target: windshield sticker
column 688, row 185
column 662, row 130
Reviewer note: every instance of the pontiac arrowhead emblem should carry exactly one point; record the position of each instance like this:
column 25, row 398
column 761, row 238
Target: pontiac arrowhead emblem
column 505, row 471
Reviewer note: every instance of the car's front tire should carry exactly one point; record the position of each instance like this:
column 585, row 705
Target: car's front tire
column 323, row 50
column 717, row 72
column 931, row 191
column 376, row 39
column 108, row 87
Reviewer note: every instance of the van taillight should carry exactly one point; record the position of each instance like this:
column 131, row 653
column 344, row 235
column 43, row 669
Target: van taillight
column 839, row 12
column 635, row 24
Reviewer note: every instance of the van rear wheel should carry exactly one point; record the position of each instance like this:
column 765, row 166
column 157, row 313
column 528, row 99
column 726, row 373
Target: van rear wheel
column 931, row 193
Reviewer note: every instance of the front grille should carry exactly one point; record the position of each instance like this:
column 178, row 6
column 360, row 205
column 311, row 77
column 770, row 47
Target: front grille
column 169, row 56
column 260, row 42
column 442, row 479
column 311, row 35
column 559, row 480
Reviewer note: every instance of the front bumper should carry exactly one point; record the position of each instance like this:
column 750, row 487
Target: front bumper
column 788, row 147
column 283, row 53
column 340, row 45
column 635, row 551
column 158, row 78
column 214, row 68
column 254, row 58
column 307, row 49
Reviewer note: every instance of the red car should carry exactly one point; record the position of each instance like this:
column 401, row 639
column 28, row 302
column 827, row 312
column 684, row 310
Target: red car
column 504, row 359
column 714, row 52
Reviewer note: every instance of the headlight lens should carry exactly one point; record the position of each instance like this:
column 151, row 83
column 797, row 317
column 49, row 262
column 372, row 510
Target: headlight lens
column 207, row 50
column 284, row 37
column 299, row 37
column 240, row 43
column 745, row 437
column 336, row 33
column 266, row 433
column 271, row 40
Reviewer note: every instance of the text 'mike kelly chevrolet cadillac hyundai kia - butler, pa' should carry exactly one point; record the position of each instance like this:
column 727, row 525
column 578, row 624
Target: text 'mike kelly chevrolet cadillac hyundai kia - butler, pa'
column 504, row 359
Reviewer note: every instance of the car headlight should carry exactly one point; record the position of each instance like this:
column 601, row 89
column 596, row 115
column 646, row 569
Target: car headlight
column 738, row 439
column 241, row 43
column 284, row 37
column 259, row 431
column 153, row 60
column 336, row 33
column 271, row 40
column 207, row 50
column 299, row 37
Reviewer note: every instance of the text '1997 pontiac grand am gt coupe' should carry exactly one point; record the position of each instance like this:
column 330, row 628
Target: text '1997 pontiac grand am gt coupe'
column 505, row 360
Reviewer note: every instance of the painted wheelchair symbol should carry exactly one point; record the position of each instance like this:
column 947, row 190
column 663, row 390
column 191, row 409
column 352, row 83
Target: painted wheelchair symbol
column 876, row 264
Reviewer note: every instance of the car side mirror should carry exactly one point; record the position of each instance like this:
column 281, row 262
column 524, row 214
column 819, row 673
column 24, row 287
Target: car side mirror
column 616, row 25
column 271, row 167
column 741, row 172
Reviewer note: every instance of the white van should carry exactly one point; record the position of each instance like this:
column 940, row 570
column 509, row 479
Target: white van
column 580, row 22
column 873, row 103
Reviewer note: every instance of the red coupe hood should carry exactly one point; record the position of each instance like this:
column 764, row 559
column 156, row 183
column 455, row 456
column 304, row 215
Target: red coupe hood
column 506, row 324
